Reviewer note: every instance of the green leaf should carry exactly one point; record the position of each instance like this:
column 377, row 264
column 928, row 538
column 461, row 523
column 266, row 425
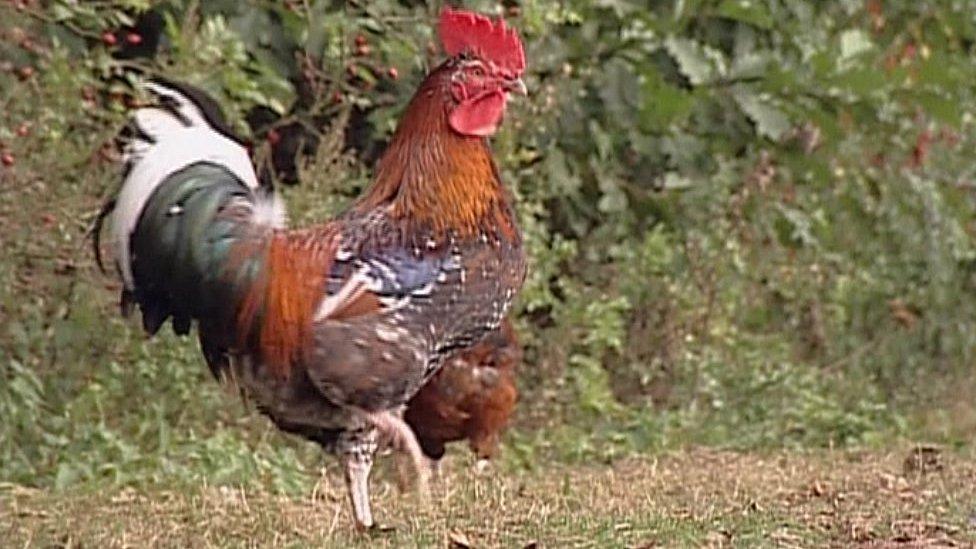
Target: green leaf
column 559, row 174
column 692, row 60
column 663, row 104
column 943, row 109
column 753, row 12
column 770, row 121
column 60, row 12
column 614, row 200
column 862, row 81
column 853, row 43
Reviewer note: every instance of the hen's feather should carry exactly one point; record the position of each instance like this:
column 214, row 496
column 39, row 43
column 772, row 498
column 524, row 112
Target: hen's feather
column 471, row 398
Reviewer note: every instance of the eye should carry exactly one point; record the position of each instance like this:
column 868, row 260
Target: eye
column 478, row 71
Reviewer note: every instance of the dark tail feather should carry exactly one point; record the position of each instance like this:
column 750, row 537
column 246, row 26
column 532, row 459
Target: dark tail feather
column 96, row 232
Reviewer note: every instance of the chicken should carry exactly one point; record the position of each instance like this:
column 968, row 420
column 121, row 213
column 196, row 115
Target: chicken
column 471, row 398
column 329, row 330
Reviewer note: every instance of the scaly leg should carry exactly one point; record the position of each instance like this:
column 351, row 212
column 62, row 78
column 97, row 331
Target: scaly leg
column 436, row 469
column 358, row 456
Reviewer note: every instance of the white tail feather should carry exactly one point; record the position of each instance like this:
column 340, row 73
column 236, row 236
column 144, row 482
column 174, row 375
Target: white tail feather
column 175, row 141
column 269, row 210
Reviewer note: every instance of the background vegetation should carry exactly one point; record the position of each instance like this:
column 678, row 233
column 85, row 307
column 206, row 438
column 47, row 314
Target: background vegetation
column 751, row 222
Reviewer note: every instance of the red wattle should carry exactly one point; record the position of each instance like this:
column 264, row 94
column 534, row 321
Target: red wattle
column 479, row 116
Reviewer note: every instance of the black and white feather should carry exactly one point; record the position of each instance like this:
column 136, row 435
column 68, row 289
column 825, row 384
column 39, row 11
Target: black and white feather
column 184, row 127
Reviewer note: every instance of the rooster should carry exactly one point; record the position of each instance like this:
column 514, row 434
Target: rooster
column 471, row 398
column 331, row 329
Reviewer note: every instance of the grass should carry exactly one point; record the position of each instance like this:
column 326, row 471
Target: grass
column 692, row 497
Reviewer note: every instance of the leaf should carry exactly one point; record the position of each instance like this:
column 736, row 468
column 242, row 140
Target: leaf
column 60, row 12
column 674, row 181
column 863, row 81
column 620, row 90
column 752, row 12
column 943, row 109
column 560, row 176
column 686, row 152
column 603, row 141
column 614, row 200
column 663, row 104
column 692, row 61
column 853, row 43
column 770, row 121
column 750, row 65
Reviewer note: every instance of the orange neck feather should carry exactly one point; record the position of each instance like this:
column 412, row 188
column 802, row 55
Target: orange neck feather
column 435, row 178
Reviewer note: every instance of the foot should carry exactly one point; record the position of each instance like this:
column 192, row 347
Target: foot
column 374, row 529
column 482, row 466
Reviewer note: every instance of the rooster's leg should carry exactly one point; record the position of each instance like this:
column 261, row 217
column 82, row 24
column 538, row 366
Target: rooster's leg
column 358, row 458
column 403, row 440
column 404, row 470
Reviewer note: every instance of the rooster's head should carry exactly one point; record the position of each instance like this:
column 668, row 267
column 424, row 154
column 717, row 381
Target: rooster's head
column 485, row 66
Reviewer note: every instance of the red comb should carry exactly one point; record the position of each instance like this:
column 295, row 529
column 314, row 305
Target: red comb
column 465, row 31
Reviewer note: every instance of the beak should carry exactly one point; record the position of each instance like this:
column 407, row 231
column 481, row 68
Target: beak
column 516, row 86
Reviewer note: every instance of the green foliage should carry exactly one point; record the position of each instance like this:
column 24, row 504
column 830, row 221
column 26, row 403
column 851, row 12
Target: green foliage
column 749, row 222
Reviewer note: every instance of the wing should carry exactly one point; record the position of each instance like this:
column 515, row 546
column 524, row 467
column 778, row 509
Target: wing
column 371, row 345
column 382, row 282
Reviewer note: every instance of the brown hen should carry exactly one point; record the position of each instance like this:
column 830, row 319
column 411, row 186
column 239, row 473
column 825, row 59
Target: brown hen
column 471, row 398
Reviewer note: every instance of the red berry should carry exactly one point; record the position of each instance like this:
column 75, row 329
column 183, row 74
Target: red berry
column 393, row 73
column 7, row 159
column 23, row 129
column 108, row 38
column 26, row 72
column 363, row 49
column 360, row 40
column 133, row 38
column 273, row 137
column 909, row 51
column 337, row 96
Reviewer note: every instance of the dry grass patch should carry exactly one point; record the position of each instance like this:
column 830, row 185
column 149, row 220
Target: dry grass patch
column 690, row 498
